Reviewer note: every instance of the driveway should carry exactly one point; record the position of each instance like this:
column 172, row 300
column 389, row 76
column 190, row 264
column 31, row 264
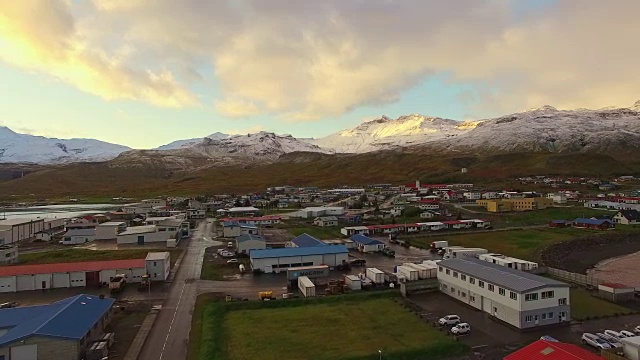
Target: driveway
column 170, row 334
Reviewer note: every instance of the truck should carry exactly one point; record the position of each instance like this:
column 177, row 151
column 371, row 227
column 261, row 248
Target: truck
column 117, row 283
column 265, row 295
column 388, row 252
column 306, row 287
column 438, row 245
column 375, row 275
column 144, row 283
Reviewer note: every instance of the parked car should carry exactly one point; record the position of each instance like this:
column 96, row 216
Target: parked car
column 595, row 341
column 8, row 305
column 610, row 339
column 637, row 330
column 461, row 329
column 548, row 338
column 614, row 334
column 627, row 333
column 230, row 245
column 358, row 262
column 232, row 261
column 449, row 320
column 226, row 254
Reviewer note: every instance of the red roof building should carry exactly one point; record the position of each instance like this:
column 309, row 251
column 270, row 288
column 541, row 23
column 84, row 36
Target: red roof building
column 71, row 267
column 551, row 350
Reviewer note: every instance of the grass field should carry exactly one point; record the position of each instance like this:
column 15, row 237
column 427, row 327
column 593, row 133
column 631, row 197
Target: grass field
column 537, row 217
column 584, row 306
column 524, row 244
column 79, row 255
column 341, row 327
column 322, row 233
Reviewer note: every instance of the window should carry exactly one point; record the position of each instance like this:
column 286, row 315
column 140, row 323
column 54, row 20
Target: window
column 444, row 287
column 562, row 301
column 472, row 298
column 440, row 268
column 481, row 284
column 513, row 295
column 502, row 291
column 531, row 297
column 490, row 287
column 448, row 272
column 453, row 290
column 463, row 277
column 472, row 280
column 544, row 316
column 455, row 274
column 547, row 294
column 464, row 295
column 550, row 316
column 154, row 264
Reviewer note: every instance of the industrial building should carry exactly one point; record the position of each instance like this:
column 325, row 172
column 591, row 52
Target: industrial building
column 141, row 235
column 110, row 230
column 279, row 260
column 314, row 212
column 78, row 236
column 518, row 298
column 158, row 265
column 367, row 244
column 306, row 240
column 62, row 330
column 517, row 204
column 246, row 243
column 18, row 229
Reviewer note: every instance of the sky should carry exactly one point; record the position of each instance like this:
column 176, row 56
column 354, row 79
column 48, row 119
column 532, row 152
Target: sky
column 143, row 73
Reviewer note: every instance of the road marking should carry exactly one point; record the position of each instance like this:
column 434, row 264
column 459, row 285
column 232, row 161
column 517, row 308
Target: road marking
column 175, row 312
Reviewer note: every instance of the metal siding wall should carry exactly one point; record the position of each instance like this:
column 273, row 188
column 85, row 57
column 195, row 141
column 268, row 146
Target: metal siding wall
column 106, row 275
column 77, row 279
column 43, row 279
column 25, row 282
column 8, row 284
column 61, row 280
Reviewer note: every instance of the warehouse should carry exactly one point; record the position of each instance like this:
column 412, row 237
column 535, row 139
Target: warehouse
column 367, row 244
column 58, row 331
column 78, row 236
column 279, row 260
column 314, row 212
column 246, row 243
column 14, row 230
column 110, row 230
column 518, row 298
column 306, row 240
column 141, row 235
column 65, row 275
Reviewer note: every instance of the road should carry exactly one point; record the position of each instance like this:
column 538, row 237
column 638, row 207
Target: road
column 170, row 334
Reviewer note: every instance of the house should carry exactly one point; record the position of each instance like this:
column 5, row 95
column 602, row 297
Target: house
column 306, row 240
column 559, row 223
column 350, row 219
column 58, row 331
column 429, row 204
column 627, row 217
column 518, row 298
column 489, row 195
column 232, row 229
column 326, row 221
column 427, row 215
column 314, row 212
column 396, row 211
column 246, row 243
column 454, row 224
column 367, row 244
column 595, row 224
column 78, row 236
column 193, row 214
column 472, row 195
column 279, row 260
column 158, row 265
column 432, row 226
column 243, row 211
column 351, row 230
column 552, row 350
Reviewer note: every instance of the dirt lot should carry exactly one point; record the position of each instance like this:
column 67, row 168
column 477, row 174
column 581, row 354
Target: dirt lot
column 622, row 270
column 584, row 253
column 215, row 267
column 128, row 316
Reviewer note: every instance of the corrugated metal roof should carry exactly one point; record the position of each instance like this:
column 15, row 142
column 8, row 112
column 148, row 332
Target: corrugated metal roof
column 592, row 221
column 306, row 240
column 80, row 232
column 365, row 240
column 247, row 237
column 551, row 350
column 139, row 230
column 71, row 267
column 516, row 280
column 159, row 255
column 70, row 318
column 299, row 251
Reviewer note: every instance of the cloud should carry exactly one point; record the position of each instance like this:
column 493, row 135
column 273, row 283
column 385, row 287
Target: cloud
column 305, row 60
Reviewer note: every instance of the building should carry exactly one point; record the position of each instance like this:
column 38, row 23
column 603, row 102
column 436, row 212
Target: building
column 559, row 223
column 472, row 195
column 110, row 230
column 78, row 236
column 62, row 330
column 158, row 265
column 145, row 234
column 350, row 219
column 239, row 211
column 552, row 350
column 558, row 198
column 518, row 298
column 595, row 224
column 509, row 262
column 255, row 221
column 427, row 215
column 631, row 347
column 306, row 240
column 279, row 260
column 8, row 254
column 193, row 214
column 314, row 212
column 367, row 244
column 326, row 221
column 627, row 217
column 18, row 229
column 515, row 204
column 351, row 230
column 233, row 229
column 615, row 292
column 246, row 243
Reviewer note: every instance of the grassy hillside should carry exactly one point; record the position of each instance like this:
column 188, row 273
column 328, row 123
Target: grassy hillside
column 147, row 178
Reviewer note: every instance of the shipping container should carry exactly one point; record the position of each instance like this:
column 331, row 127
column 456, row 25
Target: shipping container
column 306, row 286
column 353, row 282
column 312, row 272
column 437, row 245
column 409, row 273
column 432, row 269
column 375, row 275
column 422, row 271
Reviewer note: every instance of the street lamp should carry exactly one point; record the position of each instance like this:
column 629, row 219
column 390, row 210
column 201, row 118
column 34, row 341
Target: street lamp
column 380, row 352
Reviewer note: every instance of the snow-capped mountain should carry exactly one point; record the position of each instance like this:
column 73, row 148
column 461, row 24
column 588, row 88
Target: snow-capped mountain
column 386, row 133
column 178, row 144
column 23, row 148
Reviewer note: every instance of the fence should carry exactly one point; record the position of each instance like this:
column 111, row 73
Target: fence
column 580, row 279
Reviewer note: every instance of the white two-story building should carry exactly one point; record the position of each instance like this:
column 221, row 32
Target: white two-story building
column 518, row 298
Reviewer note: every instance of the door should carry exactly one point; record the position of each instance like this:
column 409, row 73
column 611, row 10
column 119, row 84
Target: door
column 24, row 352
column 140, row 239
column 92, row 278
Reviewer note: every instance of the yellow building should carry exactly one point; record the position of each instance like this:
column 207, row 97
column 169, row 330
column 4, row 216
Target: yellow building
column 524, row 204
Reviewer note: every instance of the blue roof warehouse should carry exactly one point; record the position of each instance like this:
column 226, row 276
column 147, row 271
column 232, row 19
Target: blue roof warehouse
column 60, row 331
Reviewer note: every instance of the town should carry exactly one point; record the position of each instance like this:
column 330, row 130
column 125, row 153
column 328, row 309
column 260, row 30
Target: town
column 481, row 271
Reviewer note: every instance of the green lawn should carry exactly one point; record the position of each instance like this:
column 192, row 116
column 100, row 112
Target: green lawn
column 339, row 327
column 538, row 217
column 322, row 233
column 524, row 244
column 79, row 255
column 583, row 305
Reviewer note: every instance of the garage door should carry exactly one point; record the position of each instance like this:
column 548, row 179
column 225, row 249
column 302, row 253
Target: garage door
column 24, row 352
column 60, row 280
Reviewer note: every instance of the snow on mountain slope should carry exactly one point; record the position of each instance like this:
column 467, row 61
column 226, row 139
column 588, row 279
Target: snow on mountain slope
column 178, row 144
column 386, row 133
column 23, row 148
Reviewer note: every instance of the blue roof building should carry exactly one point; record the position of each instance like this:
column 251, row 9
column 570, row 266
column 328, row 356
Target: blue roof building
column 306, row 240
column 367, row 244
column 77, row 318
column 279, row 260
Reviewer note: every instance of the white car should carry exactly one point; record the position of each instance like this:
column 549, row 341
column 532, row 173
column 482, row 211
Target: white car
column 627, row 333
column 461, row 329
column 595, row 341
column 637, row 330
column 226, row 254
column 610, row 339
column 449, row 320
column 614, row 334
column 232, row 261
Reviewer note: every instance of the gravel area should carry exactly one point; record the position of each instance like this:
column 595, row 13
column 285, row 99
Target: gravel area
column 623, row 269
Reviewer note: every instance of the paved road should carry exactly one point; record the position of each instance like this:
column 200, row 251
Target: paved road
column 170, row 334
